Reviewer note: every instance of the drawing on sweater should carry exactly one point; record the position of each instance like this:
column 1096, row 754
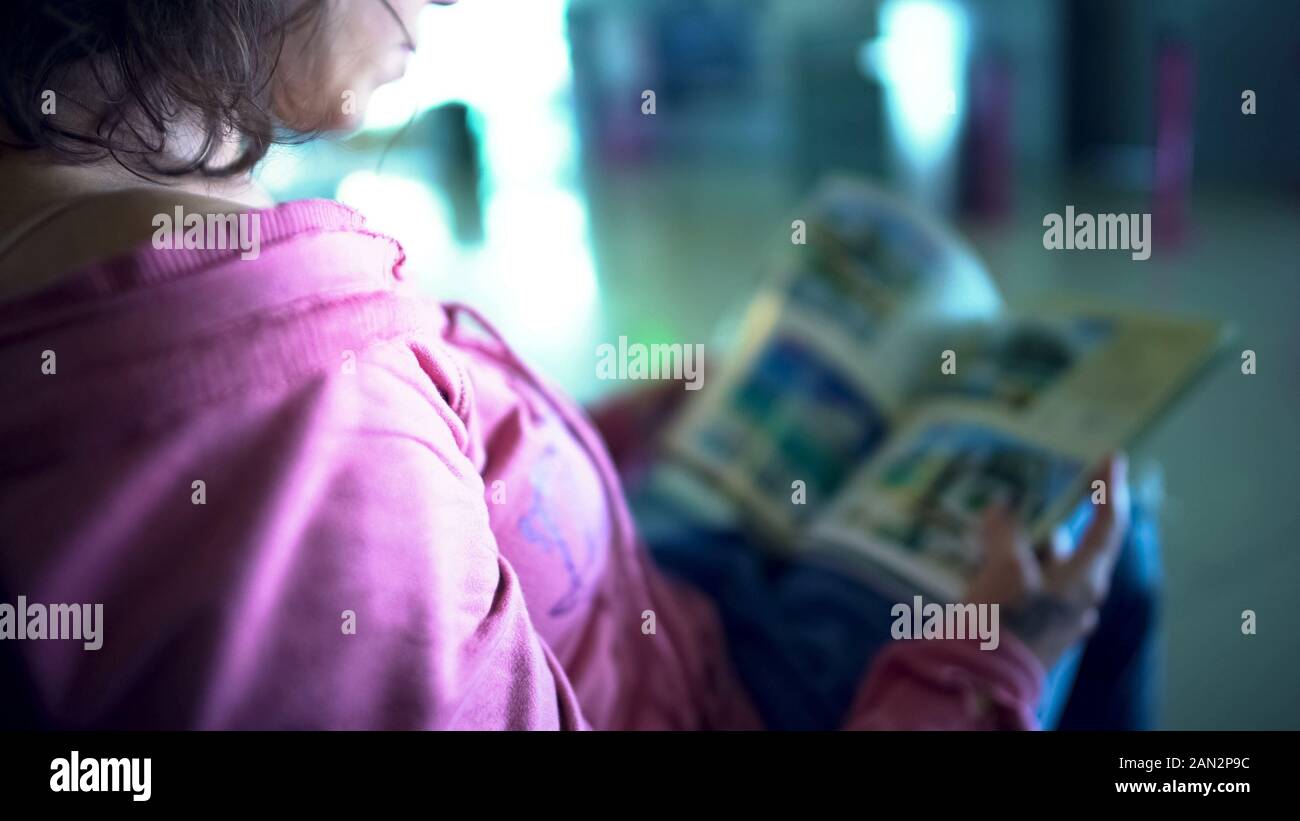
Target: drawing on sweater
column 539, row 526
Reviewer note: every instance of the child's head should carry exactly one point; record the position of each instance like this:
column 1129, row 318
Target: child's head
column 191, row 86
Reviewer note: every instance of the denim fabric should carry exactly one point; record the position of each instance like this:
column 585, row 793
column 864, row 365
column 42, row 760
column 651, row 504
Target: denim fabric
column 801, row 637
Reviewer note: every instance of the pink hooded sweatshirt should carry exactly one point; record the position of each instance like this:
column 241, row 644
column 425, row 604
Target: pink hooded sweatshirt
column 308, row 498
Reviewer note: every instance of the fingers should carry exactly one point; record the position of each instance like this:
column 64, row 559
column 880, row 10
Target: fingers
column 1089, row 568
column 1007, row 571
column 1007, row 544
column 1059, row 546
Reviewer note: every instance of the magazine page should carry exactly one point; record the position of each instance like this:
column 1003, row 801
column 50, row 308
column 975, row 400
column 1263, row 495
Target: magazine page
column 828, row 353
column 1032, row 406
column 1066, row 370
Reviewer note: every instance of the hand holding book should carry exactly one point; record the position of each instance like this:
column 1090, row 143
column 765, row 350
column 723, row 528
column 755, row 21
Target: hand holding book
column 1050, row 599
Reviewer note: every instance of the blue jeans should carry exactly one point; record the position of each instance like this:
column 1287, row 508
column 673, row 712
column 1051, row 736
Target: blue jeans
column 801, row 637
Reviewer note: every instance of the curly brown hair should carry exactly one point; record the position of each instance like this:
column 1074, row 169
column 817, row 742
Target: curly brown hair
column 132, row 70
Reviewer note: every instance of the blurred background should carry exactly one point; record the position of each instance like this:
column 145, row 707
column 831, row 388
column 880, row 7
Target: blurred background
column 521, row 169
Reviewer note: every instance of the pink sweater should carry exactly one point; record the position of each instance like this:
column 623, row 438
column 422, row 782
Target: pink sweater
column 398, row 525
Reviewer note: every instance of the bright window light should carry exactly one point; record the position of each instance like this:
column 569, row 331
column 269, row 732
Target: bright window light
column 920, row 56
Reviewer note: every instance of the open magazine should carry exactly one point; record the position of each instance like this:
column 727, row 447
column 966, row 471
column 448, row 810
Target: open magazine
column 883, row 395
